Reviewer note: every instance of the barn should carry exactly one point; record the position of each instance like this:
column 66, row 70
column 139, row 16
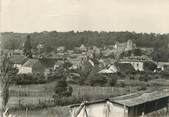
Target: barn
column 133, row 105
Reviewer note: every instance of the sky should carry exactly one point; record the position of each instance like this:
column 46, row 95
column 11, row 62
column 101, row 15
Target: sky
column 79, row 15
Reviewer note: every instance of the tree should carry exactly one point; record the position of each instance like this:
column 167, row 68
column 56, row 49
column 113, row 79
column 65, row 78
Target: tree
column 161, row 55
column 48, row 49
column 149, row 66
column 137, row 52
column 62, row 89
column 28, row 47
column 7, row 72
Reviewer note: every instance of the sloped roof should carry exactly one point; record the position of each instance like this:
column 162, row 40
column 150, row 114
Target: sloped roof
column 31, row 62
column 18, row 59
column 47, row 62
column 139, row 98
column 125, row 67
column 131, row 100
column 106, row 71
column 112, row 69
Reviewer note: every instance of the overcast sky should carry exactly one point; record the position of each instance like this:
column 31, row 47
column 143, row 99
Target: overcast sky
column 97, row 15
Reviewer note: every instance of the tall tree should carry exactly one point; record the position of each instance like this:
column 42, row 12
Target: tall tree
column 28, row 47
column 7, row 72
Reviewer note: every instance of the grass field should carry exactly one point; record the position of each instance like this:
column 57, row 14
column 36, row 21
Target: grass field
column 48, row 112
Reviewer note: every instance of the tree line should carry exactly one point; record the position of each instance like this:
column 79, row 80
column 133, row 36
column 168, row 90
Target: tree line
column 73, row 39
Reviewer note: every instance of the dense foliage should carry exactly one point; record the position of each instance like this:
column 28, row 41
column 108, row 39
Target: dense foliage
column 7, row 72
column 27, row 47
column 23, row 79
column 73, row 39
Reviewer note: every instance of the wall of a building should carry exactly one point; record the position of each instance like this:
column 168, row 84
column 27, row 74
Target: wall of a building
column 38, row 68
column 138, row 66
column 149, row 108
column 103, row 110
column 25, row 70
column 117, row 110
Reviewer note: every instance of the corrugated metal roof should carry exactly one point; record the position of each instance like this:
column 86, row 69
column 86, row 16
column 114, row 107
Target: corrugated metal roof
column 140, row 98
column 133, row 99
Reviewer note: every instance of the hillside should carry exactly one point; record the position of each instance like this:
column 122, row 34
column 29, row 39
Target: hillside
column 73, row 39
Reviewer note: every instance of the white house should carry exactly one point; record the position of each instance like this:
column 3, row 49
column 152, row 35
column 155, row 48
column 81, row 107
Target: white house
column 36, row 66
column 31, row 66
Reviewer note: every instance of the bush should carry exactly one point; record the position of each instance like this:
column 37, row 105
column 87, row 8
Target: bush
column 96, row 80
column 149, row 66
column 111, row 81
column 62, row 89
column 22, row 79
column 67, row 101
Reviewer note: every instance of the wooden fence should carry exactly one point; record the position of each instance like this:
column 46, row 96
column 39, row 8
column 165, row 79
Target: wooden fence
column 87, row 91
column 22, row 93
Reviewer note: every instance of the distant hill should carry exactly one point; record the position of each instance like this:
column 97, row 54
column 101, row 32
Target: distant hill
column 73, row 39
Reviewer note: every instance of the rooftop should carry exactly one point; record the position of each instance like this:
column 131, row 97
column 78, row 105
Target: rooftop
column 18, row 59
column 139, row 98
column 30, row 62
column 133, row 99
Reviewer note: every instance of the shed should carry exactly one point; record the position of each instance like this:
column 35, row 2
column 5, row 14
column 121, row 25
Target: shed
column 131, row 105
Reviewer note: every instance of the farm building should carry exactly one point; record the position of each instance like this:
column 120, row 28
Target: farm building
column 133, row 105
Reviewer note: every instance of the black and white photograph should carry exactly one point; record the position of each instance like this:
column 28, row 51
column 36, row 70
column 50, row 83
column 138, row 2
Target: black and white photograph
column 84, row 58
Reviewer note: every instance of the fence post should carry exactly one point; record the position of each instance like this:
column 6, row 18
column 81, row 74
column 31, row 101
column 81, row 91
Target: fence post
column 26, row 112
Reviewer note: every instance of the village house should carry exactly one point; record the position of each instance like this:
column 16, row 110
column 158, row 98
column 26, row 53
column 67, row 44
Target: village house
column 7, row 52
column 140, row 104
column 60, row 55
column 118, row 67
column 126, row 46
column 136, row 61
column 124, row 67
column 122, row 47
column 108, row 53
column 75, row 63
column 83, row 48
column 58, row 64
column 112, row 69
column 147, row 50
column 31, row 66
column 18, row 52
column 106, row 62
column 61, row 49
column 138, row 65
column 162, row 65
column 116, row 50
column 18, row 60
column 37, row 66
